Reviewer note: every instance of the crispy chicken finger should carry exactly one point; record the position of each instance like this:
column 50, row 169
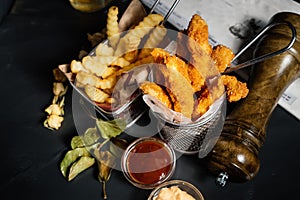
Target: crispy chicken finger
column 234, row 88
column 198, row 33
column 222, row 56
column 156, row 91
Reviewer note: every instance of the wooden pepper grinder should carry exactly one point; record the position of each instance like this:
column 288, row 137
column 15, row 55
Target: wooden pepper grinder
column 235, row 155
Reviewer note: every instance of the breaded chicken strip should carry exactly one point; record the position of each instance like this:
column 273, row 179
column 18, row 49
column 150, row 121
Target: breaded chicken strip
column 197, row 81
column 197, row 31
column 156, row 91
column 207, row 96
column 201, row 68
column 202, row 104
column 163, row 57
column 234, row 88
column 180, row 90
column 178, row 65
column 201, row 65
column 222, row 56
column 176, row 81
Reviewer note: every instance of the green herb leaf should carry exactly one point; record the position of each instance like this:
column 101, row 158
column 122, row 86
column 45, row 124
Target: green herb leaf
column 91, row 136
column 79, row 166
column 70, row 157
column 76, row 142
column 110, row 129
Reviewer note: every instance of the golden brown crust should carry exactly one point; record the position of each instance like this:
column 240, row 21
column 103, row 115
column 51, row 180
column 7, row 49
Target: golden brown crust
column 222, row 56
column 156, row 91
column 202, row 103
column 198, row 33
column 234, row 88
column 196, row 78
column 191, row 80
column 179, row 89
column 173, row 75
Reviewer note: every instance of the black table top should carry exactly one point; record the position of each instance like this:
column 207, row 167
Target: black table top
column 37, row 36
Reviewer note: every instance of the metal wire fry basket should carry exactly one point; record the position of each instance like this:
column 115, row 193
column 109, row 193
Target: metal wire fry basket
column 199, row 137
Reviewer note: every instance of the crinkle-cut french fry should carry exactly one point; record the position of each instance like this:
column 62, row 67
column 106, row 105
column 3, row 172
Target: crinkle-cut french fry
column 109, row 71
column 104, row 50
column 88, row 79
column 112, row 21
column 149, row 21
column 132, row 42
column 79, row 85
column 147, row 60
column 120, row 62
column 95, row 94
column 76, row 66
column 97, row 64
column 132, row 49
column 155, row 38
column 114, row 40
column 138, row 32
column 112, row 26
column 108, row 83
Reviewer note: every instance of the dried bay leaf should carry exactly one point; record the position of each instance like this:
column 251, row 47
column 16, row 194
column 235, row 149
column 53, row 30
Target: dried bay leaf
column 70, row 157
column 76, row 142
column 110, row 129
column 79, row 166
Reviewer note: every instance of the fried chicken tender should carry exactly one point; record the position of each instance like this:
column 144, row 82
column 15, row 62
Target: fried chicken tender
column 191, row 79
column 202, row 103
column 197, row 31
column 222, row 56
column 156, row 91
column 234, row 88
column 200, row 69
column 175, row 80
column 196, row 78
column 196, row 49
column 180, row 90
column 163, row 57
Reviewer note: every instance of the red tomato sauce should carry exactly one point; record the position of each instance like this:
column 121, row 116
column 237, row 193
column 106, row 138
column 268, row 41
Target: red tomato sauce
column 149, row 162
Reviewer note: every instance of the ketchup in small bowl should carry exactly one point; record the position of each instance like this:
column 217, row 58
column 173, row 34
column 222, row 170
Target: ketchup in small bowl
column 148, row 162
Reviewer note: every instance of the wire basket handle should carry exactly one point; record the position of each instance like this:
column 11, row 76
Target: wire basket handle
column 266, row 56
column 169, row 11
